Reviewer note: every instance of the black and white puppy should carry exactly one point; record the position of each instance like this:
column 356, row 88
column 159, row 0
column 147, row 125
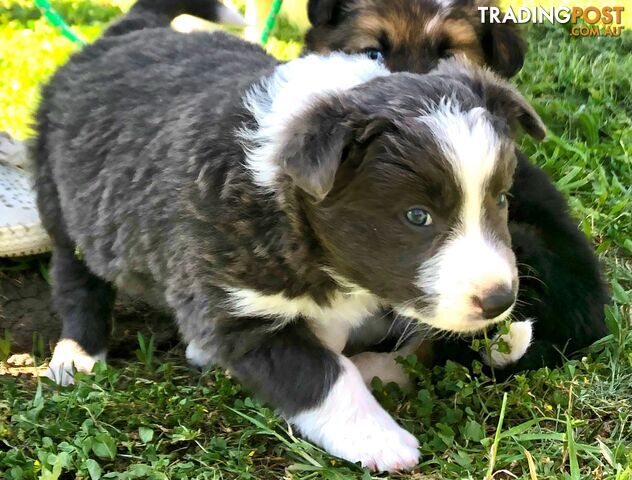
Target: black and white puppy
column 274, row 207
column 562, row 293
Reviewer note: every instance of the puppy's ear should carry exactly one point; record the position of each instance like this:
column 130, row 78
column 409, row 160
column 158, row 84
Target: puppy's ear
column 324, row 12
column 499, row 97
column 502, row 44
column 316, row 145
column 313, row 152
column 506, row 102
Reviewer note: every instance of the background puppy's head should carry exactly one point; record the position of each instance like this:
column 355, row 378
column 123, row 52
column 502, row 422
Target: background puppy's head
column 402, row 182
column 413, row 35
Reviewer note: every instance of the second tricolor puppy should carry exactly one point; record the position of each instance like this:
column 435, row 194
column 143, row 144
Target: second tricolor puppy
column 274, row 207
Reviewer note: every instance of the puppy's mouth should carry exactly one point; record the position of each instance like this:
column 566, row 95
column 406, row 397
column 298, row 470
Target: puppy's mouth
column 462, row 317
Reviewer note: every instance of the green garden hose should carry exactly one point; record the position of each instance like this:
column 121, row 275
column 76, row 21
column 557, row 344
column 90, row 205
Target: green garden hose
column 60, row 24
column 272, row 18
column 56, row 21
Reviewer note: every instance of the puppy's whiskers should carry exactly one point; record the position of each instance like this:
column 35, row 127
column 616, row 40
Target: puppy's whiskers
column 531, row 277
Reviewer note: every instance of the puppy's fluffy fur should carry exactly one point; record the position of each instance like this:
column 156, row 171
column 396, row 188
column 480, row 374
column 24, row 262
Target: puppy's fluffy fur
column 562, row 292
column 273, row 208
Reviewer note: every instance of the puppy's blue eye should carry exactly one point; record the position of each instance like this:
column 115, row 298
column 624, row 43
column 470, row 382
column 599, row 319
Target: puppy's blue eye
column 374, row 54
column 501, row 200
column 419, row 217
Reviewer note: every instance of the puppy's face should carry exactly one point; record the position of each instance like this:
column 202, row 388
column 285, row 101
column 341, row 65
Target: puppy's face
column 418, row 216
column 413, row 35
column 408, row 197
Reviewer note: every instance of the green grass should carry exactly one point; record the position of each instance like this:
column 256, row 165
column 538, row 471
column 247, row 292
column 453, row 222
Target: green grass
column 159, row 419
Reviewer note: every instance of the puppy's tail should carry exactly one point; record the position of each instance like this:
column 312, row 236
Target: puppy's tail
column 160, row 13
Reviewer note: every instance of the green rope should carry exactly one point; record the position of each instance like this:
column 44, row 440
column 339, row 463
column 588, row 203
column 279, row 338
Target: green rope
column 56, row 21
column 272, row 18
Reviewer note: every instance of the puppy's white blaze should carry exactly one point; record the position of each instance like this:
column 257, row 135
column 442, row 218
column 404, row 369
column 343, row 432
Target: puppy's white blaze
column 288, row 92
column 438, row 19
column 351, row 424
column 331, row 323
column 69, row 357
column 471, row 261
column 445, row 3
column 519, row 339
column 471, row 145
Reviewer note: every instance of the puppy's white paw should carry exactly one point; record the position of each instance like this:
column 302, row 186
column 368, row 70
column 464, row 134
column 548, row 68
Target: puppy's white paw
column 198, row 357
column 519, row 338
column 377, row 442
column 382, row 365
column 69, row 358
column 352, row 425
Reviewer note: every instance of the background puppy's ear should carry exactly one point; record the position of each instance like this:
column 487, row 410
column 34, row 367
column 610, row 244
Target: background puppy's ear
column 323, row 12
column 502, row 44
column 506, row 102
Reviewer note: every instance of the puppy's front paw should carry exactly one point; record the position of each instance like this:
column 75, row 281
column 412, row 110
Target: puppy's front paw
column 518, row 339
column 377, row 443
column 384, row 366
column 352, row 425
column 69, row 358
column 197, row 356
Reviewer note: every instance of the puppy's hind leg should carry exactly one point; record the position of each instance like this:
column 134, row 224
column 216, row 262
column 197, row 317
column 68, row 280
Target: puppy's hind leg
column 84, row 303
column 198, row 356
column 82, row 300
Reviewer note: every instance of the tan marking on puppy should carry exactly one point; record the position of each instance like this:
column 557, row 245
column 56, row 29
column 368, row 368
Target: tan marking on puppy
column 463, row 40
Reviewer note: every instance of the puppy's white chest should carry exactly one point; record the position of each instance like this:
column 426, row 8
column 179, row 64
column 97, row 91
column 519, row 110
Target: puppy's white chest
column 331, row 323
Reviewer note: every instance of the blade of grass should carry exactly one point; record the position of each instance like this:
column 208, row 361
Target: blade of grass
column 572, row 449
column 532, row 471
column 494, row 449
column 266, row 430
column 570, row 439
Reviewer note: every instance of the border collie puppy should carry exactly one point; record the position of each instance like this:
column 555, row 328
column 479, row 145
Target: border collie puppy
column 413, row 35
column 561, row 289
column 274, row 207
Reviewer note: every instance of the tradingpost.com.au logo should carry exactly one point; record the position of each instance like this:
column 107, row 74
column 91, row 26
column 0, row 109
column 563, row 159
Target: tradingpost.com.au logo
column 597, row 22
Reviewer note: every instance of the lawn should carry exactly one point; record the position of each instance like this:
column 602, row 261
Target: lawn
column 152, row 417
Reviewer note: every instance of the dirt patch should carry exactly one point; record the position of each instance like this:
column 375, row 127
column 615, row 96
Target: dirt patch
column 25, row 310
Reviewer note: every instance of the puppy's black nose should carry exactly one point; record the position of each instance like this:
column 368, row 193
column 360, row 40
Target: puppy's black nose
column 495, row 302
